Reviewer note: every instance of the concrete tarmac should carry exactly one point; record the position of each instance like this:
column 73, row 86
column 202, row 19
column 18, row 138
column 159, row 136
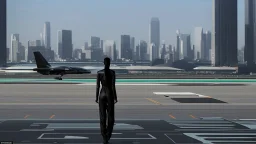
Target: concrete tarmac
column 72, row 101
column 191, row 109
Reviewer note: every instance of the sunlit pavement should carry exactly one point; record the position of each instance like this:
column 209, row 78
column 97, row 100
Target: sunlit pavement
column 67, row 113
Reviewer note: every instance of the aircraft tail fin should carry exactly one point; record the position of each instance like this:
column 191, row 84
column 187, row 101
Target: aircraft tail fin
column 41, row 62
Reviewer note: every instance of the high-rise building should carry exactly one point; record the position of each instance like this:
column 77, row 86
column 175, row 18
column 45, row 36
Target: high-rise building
column 143, row 50
column 163, row 51
column 65, row 46
column 115, row 53
column 207, row 46
column 250, row 32
column 42, row 39
column 199, row 43
column 21, row 53
column 95, row 42
column 133, row 48
column 31, row 49
column 240, row 56
column 138, row 53
column 34, row 43
column 177, row 51
column 47, row 35
column 154, row 34
column 224, row 34
column 14, row 47
column 77, row 54
column 86, row 46
column 3, row 53
column 185, row 46
column 97, row 54
column 133, row 44
column 126, row 51
column 153, row 52
column 109, row 49
column 101, row 44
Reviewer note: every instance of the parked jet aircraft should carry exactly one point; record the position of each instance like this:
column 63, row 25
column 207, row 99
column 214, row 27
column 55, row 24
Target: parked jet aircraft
column 44, row 68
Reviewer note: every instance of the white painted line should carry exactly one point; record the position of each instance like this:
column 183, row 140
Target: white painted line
column 151, row 137
column 247, row 119
column 170, row 138
column 128, row 84
column 81, row 137
column 37, row 130
column 174, row 93
column 75, row 137
column 203, row 96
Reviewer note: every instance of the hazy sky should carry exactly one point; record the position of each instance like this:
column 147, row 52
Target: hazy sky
column 108, row 19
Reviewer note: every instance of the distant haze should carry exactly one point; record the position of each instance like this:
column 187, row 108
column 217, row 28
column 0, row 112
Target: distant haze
column 109, row 19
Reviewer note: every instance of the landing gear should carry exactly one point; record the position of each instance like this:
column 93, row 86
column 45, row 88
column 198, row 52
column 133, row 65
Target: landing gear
column 59, row 78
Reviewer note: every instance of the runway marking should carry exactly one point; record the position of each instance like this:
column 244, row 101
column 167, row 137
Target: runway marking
column 52, row 116
column 26, row 116
column 72, row 136
column 192, row 116
column 247, row 119
column 170, row 138
column 173, row 117
column 153, row 101
column 180, row 93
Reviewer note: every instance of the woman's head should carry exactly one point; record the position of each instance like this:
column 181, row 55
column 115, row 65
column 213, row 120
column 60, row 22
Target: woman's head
column 107, row 62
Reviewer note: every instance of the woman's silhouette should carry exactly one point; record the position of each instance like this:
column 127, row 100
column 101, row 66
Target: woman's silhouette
column 106, row 99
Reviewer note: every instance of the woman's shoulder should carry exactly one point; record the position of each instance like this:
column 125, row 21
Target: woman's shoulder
column 112, row 71
column 100, row 71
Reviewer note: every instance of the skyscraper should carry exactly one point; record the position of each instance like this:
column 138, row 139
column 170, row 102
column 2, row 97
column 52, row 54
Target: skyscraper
column 143, row 50
column 199, row 43
column 86, row 46
column 21, row 53
column 47, row 35
column 153, row 52
column 207, row 46
column 3, row 52
column 65, row 47
column 101, row 44
column 42, row 39
column 109, row 49
column 250, row 32
column 133, row 48
column 177, row 51
column 154, row 34
column 185, row 46
column 224, row 35
column 133, row 44
column 14, row 47
column 126, row 51
column 163, row 52
column 95, row 42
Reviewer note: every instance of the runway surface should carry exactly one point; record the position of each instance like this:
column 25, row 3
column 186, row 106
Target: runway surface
column 146, row 113
column 132, row 81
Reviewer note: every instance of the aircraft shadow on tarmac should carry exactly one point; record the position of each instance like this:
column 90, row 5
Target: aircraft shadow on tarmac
column 203, row 130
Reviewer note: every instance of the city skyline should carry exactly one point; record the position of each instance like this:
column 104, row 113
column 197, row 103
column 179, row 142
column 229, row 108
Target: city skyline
column 30, row 29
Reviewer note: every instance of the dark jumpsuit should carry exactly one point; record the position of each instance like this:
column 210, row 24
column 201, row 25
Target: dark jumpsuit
column 106, row 97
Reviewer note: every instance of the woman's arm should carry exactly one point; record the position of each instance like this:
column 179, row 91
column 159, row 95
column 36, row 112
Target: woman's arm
column 97, row 87
column 114, row 86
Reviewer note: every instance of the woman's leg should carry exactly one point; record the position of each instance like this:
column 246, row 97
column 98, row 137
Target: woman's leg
column 103, row 115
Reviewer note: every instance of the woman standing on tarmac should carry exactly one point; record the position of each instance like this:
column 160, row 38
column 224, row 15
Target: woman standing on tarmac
column 106, row 99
